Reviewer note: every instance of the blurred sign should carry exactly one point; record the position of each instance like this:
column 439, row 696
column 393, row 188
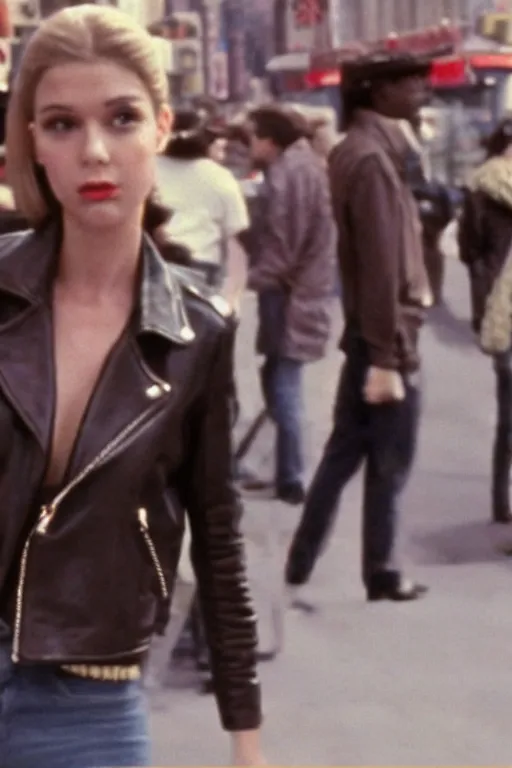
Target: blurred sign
column 182, row 25
column 5, row 64
column 335, row 23
column 166, row 54
column 182, row 34
column 17, row 14
column 188, row 59
column 303, row 20
column 309, row 13
column 219, row 74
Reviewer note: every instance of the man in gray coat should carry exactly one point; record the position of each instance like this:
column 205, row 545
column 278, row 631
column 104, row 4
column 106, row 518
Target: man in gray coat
column 293, row 276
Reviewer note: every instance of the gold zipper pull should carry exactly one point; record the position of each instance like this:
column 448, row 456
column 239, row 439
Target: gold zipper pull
column 45, row 518
column 143, row 518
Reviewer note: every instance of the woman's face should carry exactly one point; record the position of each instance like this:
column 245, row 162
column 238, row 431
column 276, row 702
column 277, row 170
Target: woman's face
column 217, row 150
column 97, row 135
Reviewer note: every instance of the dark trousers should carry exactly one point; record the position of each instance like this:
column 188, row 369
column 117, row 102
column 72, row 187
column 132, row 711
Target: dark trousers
column 382, row 436
column 502, row 453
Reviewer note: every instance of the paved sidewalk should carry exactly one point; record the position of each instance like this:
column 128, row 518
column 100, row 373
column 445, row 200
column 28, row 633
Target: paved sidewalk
column 428, row 683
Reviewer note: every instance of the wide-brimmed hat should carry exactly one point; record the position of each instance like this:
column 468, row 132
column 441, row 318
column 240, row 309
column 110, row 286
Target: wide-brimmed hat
column 364, row 70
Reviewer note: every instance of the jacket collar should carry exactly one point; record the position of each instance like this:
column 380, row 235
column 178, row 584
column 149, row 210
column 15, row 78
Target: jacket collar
column 294, row 151
column 28, row 263
column 494, row 179
column 386, row 132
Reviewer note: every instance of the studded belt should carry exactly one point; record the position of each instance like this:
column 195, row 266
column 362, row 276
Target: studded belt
column 115, row 673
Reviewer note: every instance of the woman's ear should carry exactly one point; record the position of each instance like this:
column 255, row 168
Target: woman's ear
column 165, row 120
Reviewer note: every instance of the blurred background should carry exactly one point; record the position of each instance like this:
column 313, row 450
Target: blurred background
column 232, row 54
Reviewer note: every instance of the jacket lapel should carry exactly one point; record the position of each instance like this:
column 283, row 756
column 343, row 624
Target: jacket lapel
column 26, row 345
column 127, row 393
column 127, row 390
column 26, row 370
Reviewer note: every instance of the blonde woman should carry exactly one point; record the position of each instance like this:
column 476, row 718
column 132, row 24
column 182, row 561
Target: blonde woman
column 115, row 380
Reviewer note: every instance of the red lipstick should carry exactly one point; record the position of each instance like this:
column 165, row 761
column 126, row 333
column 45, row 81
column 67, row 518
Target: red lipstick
column 96, row 191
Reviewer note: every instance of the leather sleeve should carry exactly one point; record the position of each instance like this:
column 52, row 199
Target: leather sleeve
column 214, row 510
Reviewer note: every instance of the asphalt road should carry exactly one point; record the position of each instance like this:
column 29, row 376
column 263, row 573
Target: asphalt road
column 427, row 683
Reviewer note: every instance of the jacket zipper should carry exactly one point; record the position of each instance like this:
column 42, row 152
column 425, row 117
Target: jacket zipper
column 48, row 511
column 144, row 527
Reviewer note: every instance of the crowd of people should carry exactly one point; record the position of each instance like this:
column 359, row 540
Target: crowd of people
column 130, row 247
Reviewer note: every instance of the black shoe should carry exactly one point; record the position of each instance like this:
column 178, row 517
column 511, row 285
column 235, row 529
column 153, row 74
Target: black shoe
column 502, row 515
column 392, row 585
column 291, row 493
column 249, row 482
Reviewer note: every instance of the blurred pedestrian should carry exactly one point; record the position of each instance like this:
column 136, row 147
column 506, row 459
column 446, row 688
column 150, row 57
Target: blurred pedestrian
column 209, row 211
column 435, row 204
column 385, row 293
column 485, row 238
column 293, row 275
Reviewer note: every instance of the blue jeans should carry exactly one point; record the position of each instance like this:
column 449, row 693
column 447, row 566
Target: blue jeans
column 281, row 380
column 50, row 719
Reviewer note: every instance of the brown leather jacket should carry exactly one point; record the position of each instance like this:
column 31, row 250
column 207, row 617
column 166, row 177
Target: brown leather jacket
column 95, row 568
column 380, row 250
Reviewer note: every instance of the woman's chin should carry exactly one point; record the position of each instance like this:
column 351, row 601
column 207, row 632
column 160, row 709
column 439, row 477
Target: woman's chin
column 102, row 216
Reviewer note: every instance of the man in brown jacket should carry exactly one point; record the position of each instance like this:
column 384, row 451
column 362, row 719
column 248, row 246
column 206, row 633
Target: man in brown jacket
column 293, row 275
column 385, row 292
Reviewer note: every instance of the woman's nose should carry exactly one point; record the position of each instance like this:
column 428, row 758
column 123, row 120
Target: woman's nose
column 95, row 148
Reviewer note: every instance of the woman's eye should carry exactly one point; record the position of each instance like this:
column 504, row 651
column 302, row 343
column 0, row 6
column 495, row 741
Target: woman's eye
column 60, row 124
column 124, row 119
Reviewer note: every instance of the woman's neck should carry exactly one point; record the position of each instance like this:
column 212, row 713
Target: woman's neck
column 96, row 265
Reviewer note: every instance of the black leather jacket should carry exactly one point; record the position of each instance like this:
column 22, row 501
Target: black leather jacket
column 96, row 566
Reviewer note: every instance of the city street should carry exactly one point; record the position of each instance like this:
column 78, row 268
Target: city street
column 428, row 683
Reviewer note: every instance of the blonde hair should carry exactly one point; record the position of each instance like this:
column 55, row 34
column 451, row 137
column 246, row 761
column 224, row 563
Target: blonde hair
column 82, row 33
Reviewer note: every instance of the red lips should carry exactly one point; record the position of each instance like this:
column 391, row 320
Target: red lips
column 98, row 190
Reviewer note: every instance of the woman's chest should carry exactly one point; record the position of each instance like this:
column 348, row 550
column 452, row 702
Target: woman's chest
column 83, row 341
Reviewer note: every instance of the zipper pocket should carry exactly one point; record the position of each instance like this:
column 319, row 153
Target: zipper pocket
column 48, row 510
column 142, row 515
column 100, row 458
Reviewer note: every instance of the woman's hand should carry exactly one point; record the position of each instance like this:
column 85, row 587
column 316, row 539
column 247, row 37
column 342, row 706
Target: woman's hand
column 247, row 748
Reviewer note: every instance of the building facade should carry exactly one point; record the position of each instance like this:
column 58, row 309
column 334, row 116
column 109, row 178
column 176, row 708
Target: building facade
column 374, row 19
column 320, row 24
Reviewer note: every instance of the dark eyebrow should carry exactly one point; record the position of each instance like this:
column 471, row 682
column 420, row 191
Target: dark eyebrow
column 117, row 101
